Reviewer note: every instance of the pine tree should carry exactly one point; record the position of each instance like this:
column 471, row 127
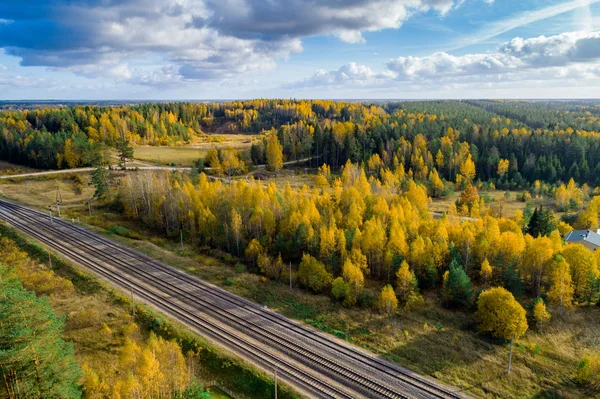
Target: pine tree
column 457, row 288
column 35, row 362
column 100, row 182
column 125, row 150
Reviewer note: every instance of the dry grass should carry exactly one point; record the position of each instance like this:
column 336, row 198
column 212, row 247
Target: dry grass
column 296, row 178
column 495, row 199
column 41, row 191
column 188, row 155
column 184, row 156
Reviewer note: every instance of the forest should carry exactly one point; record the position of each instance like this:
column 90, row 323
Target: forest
column 364, row 234
column 537, row 141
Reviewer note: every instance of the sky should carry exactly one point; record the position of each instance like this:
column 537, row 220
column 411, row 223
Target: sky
column 334, row 49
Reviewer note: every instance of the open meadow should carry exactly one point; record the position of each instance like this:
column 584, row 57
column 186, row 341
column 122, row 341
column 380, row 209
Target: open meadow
column 187, row 155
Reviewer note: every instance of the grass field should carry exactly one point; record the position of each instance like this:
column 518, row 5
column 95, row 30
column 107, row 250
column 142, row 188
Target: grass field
column 42, row 191
column 181, row 156
column 188, row 155
column 495, row 199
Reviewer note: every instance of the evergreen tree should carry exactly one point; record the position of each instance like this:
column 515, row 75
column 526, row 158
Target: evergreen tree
column 541, row 222
column 35, row 362
column 457, row 286
column 100, row 182
column 125, row 150
column 512, row 281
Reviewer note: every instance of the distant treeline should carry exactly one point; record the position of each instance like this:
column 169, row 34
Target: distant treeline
column 541, row 141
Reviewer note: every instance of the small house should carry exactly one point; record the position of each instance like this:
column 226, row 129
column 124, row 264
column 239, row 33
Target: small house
column 587, row 238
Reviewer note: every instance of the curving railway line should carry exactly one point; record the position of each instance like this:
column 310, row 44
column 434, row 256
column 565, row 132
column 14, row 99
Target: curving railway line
column 318, row 365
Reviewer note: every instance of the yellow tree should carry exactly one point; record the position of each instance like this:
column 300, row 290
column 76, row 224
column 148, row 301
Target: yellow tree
column 236, row 228
column 468, row 197
column 582, row 264
column 387, row 302
column 274, row 153
column 486, row 272
column 405, row 281
column 373, row 244
column 439, row 159
column 467, row 169
column 436, row 184
column 253, row 250
column 561, row 288
column 503, row 165
column 396, row 245
column 499, row 314
column 540, row 314
column 536, row 257
column 353, row 276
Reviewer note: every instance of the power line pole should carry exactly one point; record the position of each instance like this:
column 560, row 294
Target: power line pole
column 290, row 276
column 58, row 200
column 90, row 206
column 50, row 260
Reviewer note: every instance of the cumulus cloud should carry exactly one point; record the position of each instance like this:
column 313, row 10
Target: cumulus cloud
column 574, row 55
column 518, row 54
column 350, row 73
column 281, row 19
column 197, row 39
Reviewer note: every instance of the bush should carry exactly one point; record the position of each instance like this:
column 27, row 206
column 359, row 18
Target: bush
column 414, row 301
column 240, row 268
column 312, row 274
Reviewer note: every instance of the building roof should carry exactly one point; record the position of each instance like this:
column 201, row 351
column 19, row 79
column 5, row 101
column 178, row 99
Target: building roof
column 584, row 235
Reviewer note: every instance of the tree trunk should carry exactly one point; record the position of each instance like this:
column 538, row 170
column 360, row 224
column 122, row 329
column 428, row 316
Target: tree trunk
column 510, row 354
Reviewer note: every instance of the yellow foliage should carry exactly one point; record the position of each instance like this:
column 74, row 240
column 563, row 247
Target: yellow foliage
column 499, row 314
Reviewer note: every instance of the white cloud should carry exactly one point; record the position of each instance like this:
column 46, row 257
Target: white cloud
column 196, row 39
column 350, row 73
column 574, row 55
column 518, row 54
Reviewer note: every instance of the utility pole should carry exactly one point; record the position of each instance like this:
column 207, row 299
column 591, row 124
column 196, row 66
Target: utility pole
column 275, row 383
column 58, row 200
column 90, row 206
column 290, row 276
column 181, row 238
column 50, row 259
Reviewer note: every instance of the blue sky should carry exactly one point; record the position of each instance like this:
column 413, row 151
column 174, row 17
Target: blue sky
column 229, row 49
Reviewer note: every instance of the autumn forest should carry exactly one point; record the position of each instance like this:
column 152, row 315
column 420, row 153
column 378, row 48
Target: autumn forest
column 360, row 229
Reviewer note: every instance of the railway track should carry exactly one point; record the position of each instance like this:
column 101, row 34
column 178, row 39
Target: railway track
column 317, row 364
